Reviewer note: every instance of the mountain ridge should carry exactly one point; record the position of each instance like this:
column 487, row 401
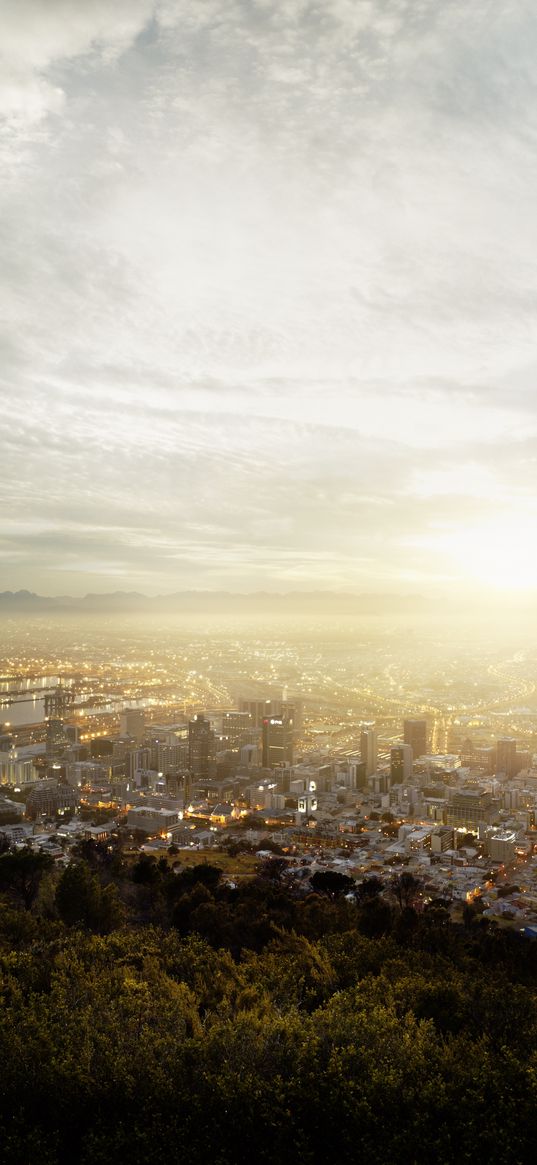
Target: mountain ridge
column 213, row 601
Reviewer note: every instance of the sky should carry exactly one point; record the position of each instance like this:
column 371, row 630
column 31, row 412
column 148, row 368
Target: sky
column 268, row 295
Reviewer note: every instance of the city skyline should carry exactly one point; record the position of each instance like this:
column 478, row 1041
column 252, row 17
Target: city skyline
column 268, row 291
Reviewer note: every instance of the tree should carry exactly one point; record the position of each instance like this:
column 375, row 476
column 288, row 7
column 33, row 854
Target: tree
column 77, row 895
column 273, row 869
column 470, row 913
column 21, row 872
column 375, row 917
column 405, row 925
column 204, row 874
column 332, row 883
column 145, row 872
column 405, row 889
column 81, row 901
column 369, row 888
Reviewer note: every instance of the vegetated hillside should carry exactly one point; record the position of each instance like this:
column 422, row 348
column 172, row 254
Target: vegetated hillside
column 150, row 1015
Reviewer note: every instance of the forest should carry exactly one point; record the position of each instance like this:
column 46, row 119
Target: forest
column 151, row 1011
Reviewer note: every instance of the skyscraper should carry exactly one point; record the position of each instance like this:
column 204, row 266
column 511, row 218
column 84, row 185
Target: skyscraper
column 201, row 746
column 57, row 704
column 415, row 734
column 132, row 723
column 295, row 709
column 368, row 749
column 506, row 758
column 277, row 741
column 237, row 728
column 258, row 710
column 400, row 763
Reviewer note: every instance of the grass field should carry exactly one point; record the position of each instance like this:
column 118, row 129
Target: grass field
column 241, row 866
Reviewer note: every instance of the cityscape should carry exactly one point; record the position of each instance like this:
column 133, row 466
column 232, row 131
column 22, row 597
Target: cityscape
column 366, row 749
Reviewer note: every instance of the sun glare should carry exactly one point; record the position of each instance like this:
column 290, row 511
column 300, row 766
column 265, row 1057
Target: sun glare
column 499, row 554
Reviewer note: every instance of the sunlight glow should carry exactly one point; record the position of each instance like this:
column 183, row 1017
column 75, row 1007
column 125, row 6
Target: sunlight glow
column 501, row 553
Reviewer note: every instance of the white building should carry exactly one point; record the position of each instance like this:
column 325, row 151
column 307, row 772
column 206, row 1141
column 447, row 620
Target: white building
column 502, row 846
column 151, row 820
column 132, row 723
column 86, row 772
column 17, row 768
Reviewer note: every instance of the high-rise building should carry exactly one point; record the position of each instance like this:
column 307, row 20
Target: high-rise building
column 132, row 723
column 506, row 758
column 277, row 741
column 485, row 758
column 201, row 747
column 415, row 734
column 101, row 746
column 295, row 709
column 57, row 704
column 357, row 772
column 17, row 768
column 368, row 749
column 49, row 797
column 502, row 846
column 138, row 758
column 259, row 710
column 442, row 839
column 470, row 806
column 86, row 772
column 360, row 775
column 169, row 758
column 237, row 728
column 55, row 739
column 400, row 763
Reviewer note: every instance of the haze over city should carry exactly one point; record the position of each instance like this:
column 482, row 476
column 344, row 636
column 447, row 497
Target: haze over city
column 268, row 283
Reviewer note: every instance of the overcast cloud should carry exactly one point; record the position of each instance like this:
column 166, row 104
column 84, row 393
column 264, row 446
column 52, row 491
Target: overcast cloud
column 268, row 290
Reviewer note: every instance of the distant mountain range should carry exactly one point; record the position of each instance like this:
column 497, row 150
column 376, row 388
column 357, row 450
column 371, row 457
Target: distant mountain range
column 216, row 602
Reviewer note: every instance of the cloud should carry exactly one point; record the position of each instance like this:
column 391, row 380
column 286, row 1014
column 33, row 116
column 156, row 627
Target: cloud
column 36, row 34
column 268, row 285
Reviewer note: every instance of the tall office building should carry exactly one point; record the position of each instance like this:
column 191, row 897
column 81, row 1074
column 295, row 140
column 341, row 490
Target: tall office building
column 201, row 746
column 295, row 709
column 470, row 806
column 169, row 758
column 259, row 710
column 368, row 749
column 356, row 767
column 55, row 739
column 415, row 734
column 277, row 741
column 132, row 723
column 506, row 757
column 57, row 704
column 237, row 728
column 400, row 763
column 137, row 758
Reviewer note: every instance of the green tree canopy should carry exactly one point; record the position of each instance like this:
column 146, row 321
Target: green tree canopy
column 21, row 872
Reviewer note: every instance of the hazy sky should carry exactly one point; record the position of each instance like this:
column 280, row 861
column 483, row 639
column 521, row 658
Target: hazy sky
column 268, row 289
